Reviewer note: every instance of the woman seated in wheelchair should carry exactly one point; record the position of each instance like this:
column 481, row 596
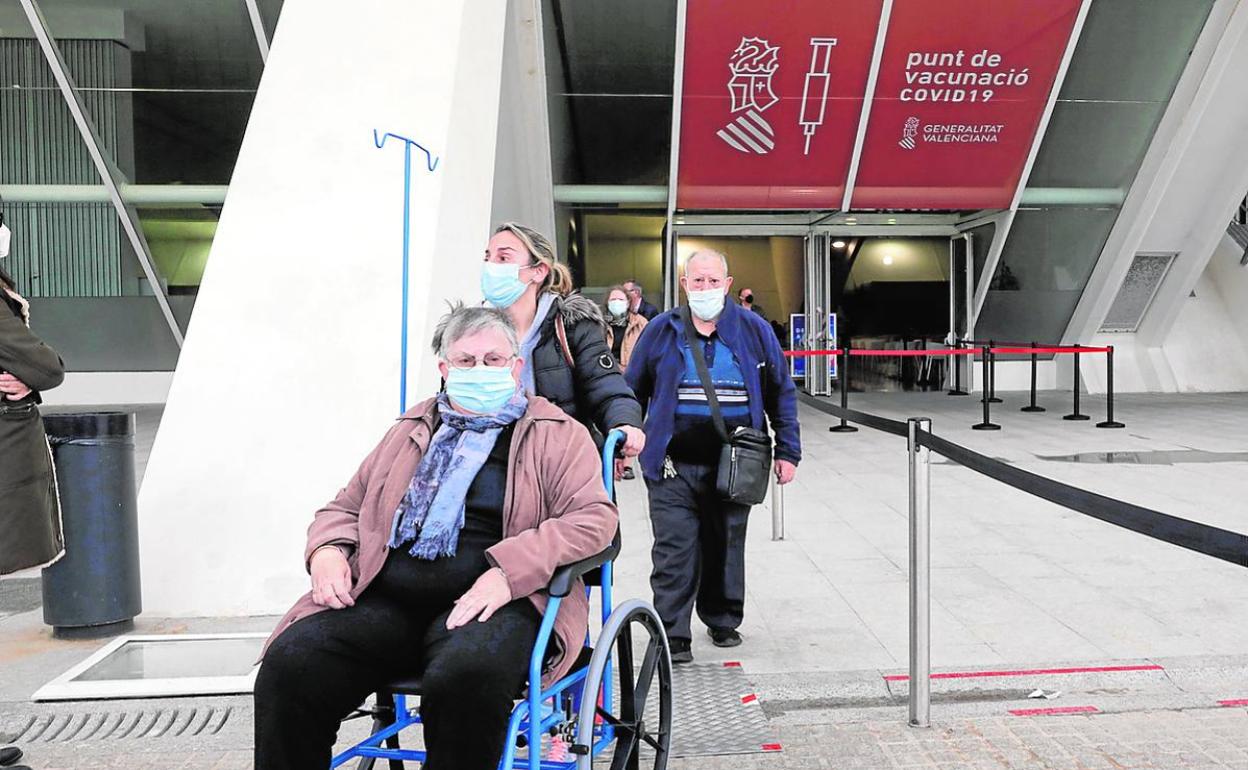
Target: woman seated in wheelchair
column 432, row 561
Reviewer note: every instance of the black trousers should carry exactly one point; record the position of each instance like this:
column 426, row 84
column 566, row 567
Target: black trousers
column 323, row 667
column 699, row 551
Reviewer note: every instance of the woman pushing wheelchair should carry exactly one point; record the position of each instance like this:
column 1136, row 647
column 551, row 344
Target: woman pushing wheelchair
column 432, row 559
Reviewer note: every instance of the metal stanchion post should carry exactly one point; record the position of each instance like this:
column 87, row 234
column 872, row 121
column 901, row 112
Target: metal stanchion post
column 1075, row 415
column 920, row 575
column 1110, row 422
column 987, row 424
column 956, row 362
column 992, row 374
column 777, row 509
column 1032, row 407
column 843, row 376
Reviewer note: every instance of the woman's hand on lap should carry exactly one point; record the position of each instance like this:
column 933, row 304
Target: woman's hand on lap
column 331, row 578
column 490, row 593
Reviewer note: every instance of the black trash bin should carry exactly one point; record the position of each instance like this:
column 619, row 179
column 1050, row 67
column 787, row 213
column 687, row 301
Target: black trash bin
column 93, row 590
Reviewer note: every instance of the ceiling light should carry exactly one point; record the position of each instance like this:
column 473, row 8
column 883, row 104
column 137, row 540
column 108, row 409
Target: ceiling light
column 838, row 244
column 888, row 259
column 892, row 221
column 851, row 221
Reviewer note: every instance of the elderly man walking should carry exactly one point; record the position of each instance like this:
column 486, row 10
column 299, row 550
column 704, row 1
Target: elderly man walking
column 699, row 527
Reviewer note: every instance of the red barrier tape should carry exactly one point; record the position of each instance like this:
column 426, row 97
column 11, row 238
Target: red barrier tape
column 906, row 353
column 1025, row 351
column 805, row 353
column 939, row 352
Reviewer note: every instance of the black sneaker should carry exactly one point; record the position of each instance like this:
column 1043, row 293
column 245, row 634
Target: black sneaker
column 724, row 637
column 9, row 756
column 682, row 651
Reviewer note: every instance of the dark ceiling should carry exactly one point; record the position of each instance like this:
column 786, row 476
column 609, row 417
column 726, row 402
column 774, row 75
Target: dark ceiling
column 618, row 87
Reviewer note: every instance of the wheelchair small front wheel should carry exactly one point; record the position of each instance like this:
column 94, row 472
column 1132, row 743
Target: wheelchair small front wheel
column 639, row 712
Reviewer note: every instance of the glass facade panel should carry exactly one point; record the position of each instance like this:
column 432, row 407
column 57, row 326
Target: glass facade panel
column 169, row 88
column 1125, row 68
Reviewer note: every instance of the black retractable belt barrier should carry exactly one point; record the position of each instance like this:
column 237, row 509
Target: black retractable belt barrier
column 1212, row 541
column 1033, row 407
column 955, row 360
column 986, row 399
column 843, row 381
column 1109, row 422
column 1076, row 415
column 895, row 427
column 992, row 374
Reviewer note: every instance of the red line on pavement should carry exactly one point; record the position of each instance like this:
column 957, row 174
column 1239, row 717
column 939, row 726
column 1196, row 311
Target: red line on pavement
column 1029, row 672
column 1235, row 702
column 749, row 698
column 732, row 664
column 772, row 747
column 1055, row 711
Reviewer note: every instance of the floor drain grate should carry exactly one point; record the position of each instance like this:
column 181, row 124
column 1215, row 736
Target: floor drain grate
column 155, row 723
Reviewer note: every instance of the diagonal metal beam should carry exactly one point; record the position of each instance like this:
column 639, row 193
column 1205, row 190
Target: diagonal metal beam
column 257, row 25
column 109, row 173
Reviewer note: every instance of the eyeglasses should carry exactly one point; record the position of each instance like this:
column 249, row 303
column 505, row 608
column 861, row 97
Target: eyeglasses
column 495, row 360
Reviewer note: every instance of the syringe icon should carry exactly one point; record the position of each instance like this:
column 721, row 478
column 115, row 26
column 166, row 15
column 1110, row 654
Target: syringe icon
column 815, row 91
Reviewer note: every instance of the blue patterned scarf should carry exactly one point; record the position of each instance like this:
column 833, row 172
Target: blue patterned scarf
column 432, row 511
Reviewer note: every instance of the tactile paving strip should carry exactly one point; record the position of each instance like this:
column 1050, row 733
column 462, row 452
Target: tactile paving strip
column 717, row 712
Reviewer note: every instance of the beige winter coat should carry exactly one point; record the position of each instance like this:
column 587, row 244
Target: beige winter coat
column 555, row 512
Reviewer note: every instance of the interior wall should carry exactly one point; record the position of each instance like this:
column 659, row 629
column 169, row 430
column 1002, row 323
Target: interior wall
column 770, row 267
column 913, row 259
column 615, row 260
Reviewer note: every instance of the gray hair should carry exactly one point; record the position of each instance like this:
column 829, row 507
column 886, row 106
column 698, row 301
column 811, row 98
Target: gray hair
column 464, row 321
column 704, row 253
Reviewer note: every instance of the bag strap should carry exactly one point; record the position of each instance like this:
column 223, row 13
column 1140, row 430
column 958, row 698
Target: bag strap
column 699, row 361
column 561, row 333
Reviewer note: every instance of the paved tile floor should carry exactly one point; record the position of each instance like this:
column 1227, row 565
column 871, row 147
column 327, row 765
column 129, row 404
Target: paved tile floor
column 1016, row 583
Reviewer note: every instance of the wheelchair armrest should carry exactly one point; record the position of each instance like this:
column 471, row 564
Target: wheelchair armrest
column 561, row 582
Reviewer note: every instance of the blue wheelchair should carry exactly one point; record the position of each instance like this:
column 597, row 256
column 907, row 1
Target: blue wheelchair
column 600, row 707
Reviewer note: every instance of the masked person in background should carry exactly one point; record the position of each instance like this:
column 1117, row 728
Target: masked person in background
column 30, row 513
column 699, row 536
column 640, row 306
column 624, row 325
column 562, row 334
column 433, row 561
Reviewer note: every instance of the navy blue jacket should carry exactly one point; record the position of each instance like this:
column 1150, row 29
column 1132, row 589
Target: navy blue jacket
column 657, row 367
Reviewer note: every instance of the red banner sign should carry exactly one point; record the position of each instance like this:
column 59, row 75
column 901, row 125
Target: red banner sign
column 961, row 89
column 772, row 96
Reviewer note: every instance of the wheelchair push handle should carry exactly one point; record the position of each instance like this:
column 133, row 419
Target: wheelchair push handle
column 611, row 448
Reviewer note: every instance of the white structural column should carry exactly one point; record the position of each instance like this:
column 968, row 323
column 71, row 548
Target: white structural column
column 289, row 375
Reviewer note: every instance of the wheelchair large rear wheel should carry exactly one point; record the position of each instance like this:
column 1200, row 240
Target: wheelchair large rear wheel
column 640, row 711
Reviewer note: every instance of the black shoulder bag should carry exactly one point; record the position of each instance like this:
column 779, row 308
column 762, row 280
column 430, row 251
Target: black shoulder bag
column 745, row 459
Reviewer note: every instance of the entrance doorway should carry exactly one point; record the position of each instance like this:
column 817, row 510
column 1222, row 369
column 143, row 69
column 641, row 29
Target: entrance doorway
column 885, row 293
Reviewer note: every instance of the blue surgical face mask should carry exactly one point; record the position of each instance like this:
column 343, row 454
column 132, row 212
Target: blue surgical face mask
column 501, row 285
column 618, row 307
column 706, row 304
column 482, row 389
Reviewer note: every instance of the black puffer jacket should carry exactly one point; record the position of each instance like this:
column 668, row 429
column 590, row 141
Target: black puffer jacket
column 593, row 391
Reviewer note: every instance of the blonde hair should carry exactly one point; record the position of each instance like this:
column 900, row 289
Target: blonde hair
column 559, row 277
